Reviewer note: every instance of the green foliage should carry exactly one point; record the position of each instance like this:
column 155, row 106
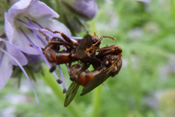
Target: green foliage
column 146, row 33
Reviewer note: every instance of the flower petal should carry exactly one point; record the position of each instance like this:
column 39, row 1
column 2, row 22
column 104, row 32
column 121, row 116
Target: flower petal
column 39, row 9
column 16, row 9
column 88, row 7
column 17, row 54
column 35, row 8
column 84, row 8
column 5, row 71
column 55, row 25
column 17, row 38
column 9, row 27
column 25, row 73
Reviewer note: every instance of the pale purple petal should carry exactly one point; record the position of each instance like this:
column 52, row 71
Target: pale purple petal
column 9, row 27
column 34, row 8
column 17, row 54
column 33, row 59
column 18, row 8
column 55, row 25
column 16, row 37
column 87, row 7
column 39, row 9
column 5, row 71
column 21, row 67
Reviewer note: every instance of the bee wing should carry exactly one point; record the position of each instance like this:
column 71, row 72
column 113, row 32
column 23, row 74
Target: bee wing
column 84, row 44
column 97, row 80
column 94, row 83
column 73, row 88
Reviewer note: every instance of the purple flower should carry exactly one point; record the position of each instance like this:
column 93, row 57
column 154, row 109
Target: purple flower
column 11, row 56
column 77, row 12
column 84, row 8
column 40, row 16
column 25, row 21
column 6, row 62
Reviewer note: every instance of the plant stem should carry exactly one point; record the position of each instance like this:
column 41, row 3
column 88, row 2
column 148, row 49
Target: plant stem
column 135, row 84
column 97, row 91
column 172, row 4
column 48, row 78
column 96, row 102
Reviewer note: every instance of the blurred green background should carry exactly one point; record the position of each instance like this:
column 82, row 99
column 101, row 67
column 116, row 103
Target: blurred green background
column 145, row 86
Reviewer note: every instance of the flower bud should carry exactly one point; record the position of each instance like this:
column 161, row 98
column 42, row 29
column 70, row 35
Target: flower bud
column 86, row 9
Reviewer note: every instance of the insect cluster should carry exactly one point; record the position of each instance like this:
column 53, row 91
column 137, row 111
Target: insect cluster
column 106, row 61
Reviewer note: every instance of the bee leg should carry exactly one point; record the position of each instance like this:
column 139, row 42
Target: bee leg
column 47, row 38
column 109, row 37
column 63, row 35
column 109, row 50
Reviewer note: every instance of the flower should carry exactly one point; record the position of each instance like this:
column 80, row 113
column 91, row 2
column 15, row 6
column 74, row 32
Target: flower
column 29, row 24
column 86, row 9
column 11, row 56
column 23, row 23
column 75, row 13
column 6, row 62
column 40, row 16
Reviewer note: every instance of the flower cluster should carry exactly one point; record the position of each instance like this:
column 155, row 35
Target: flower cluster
column 22, row 43
column 76, row 13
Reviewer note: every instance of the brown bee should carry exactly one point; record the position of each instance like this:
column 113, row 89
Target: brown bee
column 84, row 50
column 111, row 57
column 106, row 61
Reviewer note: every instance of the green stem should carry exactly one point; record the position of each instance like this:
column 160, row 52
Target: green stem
column 58, row 4
column 48, row 78
column 172, row 3
column 135, row 84
column 92, row 25
column 96, row 102
column 97, row 91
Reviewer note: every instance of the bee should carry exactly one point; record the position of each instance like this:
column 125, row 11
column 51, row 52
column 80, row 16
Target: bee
column 84, row 50
column 106, row 61
column 111, row 58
